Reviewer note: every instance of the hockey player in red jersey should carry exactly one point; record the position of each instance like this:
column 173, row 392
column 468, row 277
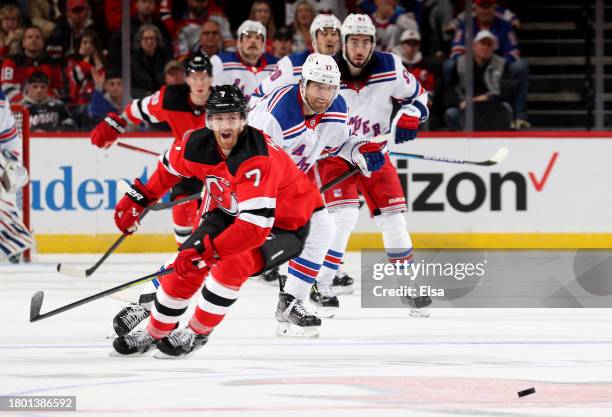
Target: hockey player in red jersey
column 255, row 214
column 182, row 107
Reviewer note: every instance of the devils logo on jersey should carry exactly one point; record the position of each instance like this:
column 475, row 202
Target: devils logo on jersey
column 219, row 190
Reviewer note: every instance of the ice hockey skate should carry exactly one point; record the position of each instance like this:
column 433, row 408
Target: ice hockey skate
column 418, row 306
column 180, row 344
column 294, row 320
column 128, row 318
column 137, row 343
column 270, row 277
column 325, row 302
column 343, row 284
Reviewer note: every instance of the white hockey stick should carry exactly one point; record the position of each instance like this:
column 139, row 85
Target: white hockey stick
column 498, row 157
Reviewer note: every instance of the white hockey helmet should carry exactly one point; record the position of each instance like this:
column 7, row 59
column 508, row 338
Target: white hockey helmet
column 252, row 26
column 358, row 24
column 320, row 22
column 321, row 69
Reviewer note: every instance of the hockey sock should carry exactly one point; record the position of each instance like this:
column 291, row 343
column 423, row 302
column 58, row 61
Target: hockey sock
column 303, row 270
column 345, row 219
column 213, row 302
column 397, row 242
column 166, row 313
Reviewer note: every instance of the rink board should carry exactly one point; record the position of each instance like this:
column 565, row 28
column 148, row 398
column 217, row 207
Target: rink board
column 549, row 193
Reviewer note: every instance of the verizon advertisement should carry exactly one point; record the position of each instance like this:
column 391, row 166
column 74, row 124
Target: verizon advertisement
column 547, row 185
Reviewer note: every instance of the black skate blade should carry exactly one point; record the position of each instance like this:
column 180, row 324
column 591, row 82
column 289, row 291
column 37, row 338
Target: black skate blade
column 114, row 354
column 164, row 356
column 36, row 305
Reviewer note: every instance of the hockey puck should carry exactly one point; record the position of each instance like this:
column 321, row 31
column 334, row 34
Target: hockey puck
column 526, row 392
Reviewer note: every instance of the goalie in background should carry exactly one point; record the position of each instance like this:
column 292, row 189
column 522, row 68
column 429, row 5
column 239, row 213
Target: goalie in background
column 15, row 238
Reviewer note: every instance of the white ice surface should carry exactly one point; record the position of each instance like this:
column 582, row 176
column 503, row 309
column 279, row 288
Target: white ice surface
column 381, row 362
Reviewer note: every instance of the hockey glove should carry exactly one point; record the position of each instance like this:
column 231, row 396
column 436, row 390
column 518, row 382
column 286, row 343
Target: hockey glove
column 368, row 157
column 193, row 262
column 406, row 124
column 108, row 130
column 131, row 206
column 13, row 175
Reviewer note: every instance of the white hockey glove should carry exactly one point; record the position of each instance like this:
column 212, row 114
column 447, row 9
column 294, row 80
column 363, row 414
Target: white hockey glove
column 13, row 175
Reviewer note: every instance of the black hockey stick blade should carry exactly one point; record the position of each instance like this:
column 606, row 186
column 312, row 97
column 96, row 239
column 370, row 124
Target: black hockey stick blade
column 37, row 298
column 35, row 305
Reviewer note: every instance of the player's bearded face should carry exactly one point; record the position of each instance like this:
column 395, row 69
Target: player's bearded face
column 199, row 84
column 319, row 96
column 358, row 49
column 251, row 46
column 227, row 127
column 328, row 41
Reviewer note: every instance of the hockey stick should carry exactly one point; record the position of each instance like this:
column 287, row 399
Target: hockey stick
column 498, row 157
column 73, row 271
column 168, row 204
column 76, row 272
column 136, row 148
column 37, row 298
column 349, row 173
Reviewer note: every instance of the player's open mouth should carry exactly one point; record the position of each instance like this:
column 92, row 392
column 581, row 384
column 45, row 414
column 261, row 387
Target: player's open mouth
column 226, row 135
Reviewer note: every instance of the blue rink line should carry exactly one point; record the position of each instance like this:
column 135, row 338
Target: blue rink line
column 331, row 343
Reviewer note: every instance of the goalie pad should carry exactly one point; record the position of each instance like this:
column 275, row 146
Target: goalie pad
column 13, row 175
column 15, row 238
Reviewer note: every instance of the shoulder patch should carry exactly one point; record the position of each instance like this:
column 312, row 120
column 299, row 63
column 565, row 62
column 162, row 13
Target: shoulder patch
column 226, row 57
column 284, row 106
column 299, row 58
column 384, row 62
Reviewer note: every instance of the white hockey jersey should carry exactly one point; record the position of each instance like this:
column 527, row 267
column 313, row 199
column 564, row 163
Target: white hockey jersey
column 9, row 137
column 288, row 71
column 305, row 139
column 376, row 96
column 228, row 68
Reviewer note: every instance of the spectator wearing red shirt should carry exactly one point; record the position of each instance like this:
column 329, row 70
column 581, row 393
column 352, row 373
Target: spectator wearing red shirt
column 16, row 69
column 409, row 50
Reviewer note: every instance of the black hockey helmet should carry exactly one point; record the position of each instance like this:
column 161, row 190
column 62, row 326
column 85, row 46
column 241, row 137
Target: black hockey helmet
column 226, row 99
column 198, row 62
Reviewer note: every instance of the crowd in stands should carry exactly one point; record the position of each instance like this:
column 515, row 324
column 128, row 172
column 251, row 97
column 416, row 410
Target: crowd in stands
column 62, row 58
